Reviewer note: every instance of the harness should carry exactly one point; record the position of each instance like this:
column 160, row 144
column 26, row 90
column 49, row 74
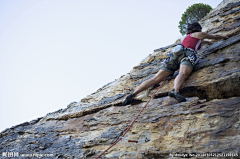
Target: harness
column 178, row 55
column 193, row 58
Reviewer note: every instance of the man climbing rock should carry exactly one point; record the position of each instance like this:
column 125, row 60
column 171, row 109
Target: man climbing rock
column 184, row 57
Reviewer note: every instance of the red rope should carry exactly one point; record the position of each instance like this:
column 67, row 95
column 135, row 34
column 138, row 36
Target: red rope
column 132, row 121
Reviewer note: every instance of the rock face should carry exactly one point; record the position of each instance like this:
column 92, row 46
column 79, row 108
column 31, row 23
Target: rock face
column 207, row 125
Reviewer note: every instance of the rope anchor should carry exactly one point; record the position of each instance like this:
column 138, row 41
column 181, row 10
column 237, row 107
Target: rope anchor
column 136, row 141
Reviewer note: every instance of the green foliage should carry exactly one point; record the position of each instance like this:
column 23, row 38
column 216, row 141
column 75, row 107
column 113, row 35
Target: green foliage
column 193, row 13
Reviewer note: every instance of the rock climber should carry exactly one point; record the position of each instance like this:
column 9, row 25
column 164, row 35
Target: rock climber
column 185, row 60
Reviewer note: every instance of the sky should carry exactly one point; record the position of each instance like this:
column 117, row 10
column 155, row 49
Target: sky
column 54, row 52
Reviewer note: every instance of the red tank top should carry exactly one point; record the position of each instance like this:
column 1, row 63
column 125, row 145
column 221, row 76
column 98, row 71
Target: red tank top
column 192, row 42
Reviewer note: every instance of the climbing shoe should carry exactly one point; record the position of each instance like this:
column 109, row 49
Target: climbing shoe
column 177, row 96
column 128, row 100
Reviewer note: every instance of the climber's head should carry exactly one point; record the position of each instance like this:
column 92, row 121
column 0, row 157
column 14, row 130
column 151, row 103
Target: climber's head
column 194, row 27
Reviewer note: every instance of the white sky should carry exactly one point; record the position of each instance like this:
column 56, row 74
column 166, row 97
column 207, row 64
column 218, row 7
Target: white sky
column 54, row 52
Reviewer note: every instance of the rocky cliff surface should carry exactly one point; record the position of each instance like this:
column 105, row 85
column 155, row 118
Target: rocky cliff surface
column 208, row 123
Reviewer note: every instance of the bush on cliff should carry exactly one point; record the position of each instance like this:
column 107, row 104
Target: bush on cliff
column 193, row 13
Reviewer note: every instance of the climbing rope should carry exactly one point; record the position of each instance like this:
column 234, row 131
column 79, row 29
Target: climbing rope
column 122, row 137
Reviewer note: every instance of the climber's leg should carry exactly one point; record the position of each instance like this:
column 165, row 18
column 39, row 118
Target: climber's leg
column 184, row 72
column 160, row 76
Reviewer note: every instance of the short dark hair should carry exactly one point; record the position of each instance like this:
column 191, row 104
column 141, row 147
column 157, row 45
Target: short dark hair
column 193, row 27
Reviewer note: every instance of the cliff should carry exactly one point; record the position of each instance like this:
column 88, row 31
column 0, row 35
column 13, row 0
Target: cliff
column 208, row 122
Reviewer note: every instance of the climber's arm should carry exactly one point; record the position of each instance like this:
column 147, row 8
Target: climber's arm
column 202, row 35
